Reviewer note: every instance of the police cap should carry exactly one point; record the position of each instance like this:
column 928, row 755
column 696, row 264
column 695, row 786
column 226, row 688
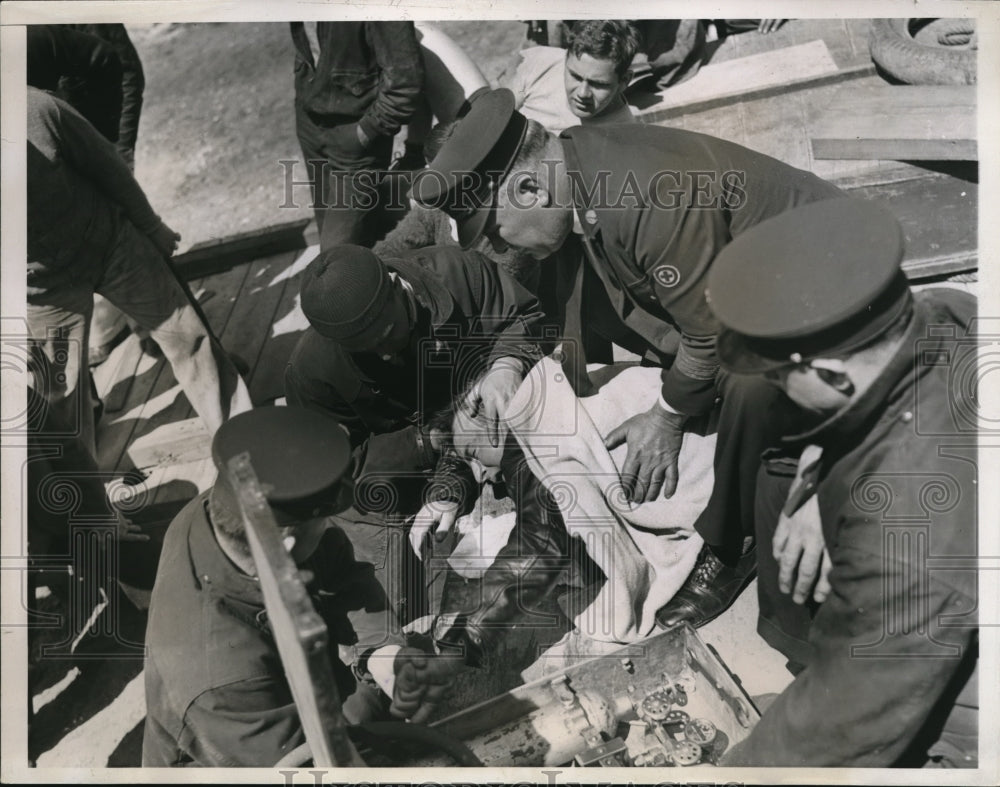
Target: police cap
column 822, row 279
column 463, row 178
column 299, row 456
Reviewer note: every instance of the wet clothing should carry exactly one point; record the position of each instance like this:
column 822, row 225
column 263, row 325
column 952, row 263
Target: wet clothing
column 891, row 657
column 216, row 692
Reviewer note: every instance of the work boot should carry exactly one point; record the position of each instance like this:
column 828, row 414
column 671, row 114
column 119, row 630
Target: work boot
column 709, row 590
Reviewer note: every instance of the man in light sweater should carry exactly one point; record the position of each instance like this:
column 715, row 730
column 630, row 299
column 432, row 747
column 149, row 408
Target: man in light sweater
column 91, row 229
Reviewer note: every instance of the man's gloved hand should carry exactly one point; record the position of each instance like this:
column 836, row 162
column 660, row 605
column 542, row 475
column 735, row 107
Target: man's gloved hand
column 654, row 443
column 438, row 517
column 489, row 397
column 422, row 682
column 801, row 553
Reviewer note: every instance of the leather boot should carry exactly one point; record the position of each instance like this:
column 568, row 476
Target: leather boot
column 709, row 590
column 534, row 560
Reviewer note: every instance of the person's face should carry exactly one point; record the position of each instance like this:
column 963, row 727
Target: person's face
column 472, row 443
column 817, row 386
column 302, row 538
column 527, row 218
column 592, row 84
column 390, row 333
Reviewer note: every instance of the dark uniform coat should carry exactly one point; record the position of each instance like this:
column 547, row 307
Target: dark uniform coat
column 656, row 205
column 890, row 674
column 216, row 693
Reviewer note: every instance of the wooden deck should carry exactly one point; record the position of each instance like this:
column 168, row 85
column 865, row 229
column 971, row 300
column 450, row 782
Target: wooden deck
column 150, row 434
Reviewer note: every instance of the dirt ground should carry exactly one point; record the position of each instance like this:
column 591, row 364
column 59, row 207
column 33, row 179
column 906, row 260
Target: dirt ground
column 217, row 119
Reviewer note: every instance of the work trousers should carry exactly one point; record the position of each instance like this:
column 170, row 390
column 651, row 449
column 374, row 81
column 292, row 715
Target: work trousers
column 345, row 178
column 138, row 280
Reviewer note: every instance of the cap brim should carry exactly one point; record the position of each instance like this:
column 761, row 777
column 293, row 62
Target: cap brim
column 736, row 356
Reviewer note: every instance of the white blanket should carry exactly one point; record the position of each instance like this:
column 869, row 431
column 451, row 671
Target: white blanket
column 646, row 551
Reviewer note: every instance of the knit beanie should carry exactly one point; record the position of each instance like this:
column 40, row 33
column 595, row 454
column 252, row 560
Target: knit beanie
column 344, row 291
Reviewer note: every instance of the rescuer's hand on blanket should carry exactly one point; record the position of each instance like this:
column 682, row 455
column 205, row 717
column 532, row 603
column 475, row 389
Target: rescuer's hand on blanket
column 654, row 442
column 423, row 680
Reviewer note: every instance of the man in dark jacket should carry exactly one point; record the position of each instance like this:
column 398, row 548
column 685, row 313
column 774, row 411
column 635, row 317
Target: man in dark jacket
column 882, row 508
column 391, row 343
column 652, row 207
column 216, row 691
column 356, row 84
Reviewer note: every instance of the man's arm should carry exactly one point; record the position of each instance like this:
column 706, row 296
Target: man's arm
column 97, row 159
column 251, row 723
column 398, row 56
column 852, row 707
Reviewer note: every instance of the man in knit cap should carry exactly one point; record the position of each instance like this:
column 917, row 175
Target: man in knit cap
column 391, row 342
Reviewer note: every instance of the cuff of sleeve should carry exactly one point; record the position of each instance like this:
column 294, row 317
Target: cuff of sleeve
column 663, row 403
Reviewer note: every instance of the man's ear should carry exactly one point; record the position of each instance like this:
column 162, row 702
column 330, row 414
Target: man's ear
column 526, row 191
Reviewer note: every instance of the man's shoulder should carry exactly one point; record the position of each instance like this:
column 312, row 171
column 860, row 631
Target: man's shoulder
column 538, row 59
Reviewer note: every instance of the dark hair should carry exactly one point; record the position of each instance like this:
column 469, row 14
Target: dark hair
column 606, row 39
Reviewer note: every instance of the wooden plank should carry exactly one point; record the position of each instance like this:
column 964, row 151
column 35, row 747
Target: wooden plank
column 299, row 632
column 217, row 256
column 904, row 122
column 939, row 218
column 749, row 78
column 267, row 380
column 170, row 487
column 165, row 402
column 253, row 315
column 172, row 443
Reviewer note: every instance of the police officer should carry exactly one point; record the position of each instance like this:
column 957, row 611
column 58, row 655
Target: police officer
column 652, row 207
column 216, row 692
column 815, row 302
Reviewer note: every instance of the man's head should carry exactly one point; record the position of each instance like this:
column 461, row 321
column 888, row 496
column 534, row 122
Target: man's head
column 465, row 434
column 814, row 300
column 501, row 175
column 598, row 65
column 299, row 457
column 349, row 296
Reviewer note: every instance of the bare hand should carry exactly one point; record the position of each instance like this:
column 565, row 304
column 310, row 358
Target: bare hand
column 490, row 396
column 801, row 554
column 127, row 531
column 165, row 240
column 769, row 25
column 438, row 518
column 654, row 443
column 422, row 682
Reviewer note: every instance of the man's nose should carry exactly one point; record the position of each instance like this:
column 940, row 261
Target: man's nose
column 584, row 90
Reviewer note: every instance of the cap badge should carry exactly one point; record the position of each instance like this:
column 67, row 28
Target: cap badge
column 667, row 276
